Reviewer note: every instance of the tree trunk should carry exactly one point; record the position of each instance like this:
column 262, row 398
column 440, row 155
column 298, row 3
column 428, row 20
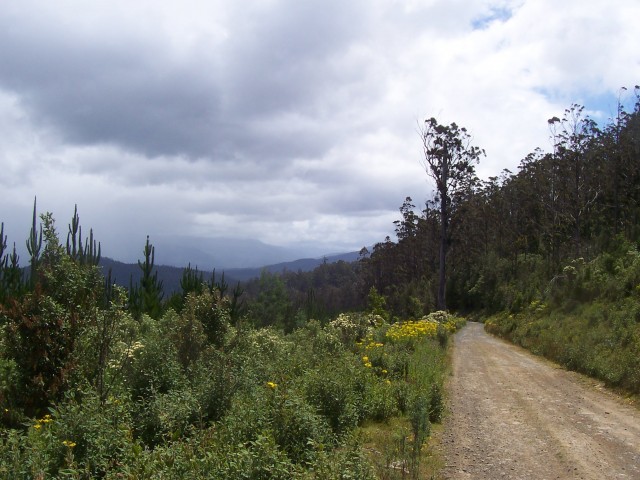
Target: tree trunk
column 444, row 220
column 442, row 305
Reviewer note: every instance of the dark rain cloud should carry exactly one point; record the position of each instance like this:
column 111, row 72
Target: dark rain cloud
column 129, row 90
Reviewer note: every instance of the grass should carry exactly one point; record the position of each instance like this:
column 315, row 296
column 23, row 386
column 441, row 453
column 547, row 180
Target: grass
column 391, row 445
column 390, row 449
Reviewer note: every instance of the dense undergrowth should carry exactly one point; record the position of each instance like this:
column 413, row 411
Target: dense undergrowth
column 587, row 319
column 265, row 405
column 90, row 390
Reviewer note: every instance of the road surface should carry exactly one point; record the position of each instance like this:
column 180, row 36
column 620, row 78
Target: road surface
column 516, row 416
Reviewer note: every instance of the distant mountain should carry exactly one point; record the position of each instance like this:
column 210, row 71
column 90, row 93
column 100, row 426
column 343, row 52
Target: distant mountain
column 123, row 273
column 303, row 265
column 226, row 253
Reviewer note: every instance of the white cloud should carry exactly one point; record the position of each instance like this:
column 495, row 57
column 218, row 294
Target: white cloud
column 289, row 122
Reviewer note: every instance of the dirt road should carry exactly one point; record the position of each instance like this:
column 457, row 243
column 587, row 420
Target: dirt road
column 516, row 416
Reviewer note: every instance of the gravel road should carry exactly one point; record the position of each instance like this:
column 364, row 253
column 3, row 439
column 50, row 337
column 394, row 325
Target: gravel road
column 516, row 416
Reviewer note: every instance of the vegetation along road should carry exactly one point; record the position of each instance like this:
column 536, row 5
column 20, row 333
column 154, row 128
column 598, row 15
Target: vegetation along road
column 516, row 416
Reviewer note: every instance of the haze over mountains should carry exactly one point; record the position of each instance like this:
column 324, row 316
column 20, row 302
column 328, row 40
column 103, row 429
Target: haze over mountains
column 239, row 259
column 226, row 253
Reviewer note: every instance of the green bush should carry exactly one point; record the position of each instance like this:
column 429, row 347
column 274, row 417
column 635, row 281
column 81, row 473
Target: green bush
column 382, row 401
column 419, row 418
column 150, row 365
column 186, row 333
column 100, row 431
column 83, row 437
column 164, row 416
column 212, row 311
column 91, row 387
column 39, row 339
column 339, row 389
column 247, row 417
column 353, row 327
column 436, row 403
column 297, row 427
column 214, row 382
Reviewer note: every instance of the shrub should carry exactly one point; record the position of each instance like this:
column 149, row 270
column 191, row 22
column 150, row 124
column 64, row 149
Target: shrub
column 212, row 310
column 186, row 333
column 167, row 416
column 338, row 388
column 348, row 462
column 382, row 402
column 214, row 381
column 419, row 418
column 83, row 437
column 247, row 417
column 259, row 356
column 259, row 459
column 40, row 339
column 151, row 364
column 354, row 327
column 436, row 403
column 297, row 427
column 9, row 378
column 98, row 434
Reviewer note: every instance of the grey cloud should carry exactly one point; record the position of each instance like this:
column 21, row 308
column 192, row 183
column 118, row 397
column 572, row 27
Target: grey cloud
column 130, row 92
column 112, row 97
column 279, row 60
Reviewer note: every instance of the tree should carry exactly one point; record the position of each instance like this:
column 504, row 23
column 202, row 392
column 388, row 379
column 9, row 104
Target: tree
column 89, row 252
column 272, row 305
column 407, row 233
column 147, row 296
column 34, row 245
column 449, row 160
column 577, row 170
column 43, row 327
column 621, row 149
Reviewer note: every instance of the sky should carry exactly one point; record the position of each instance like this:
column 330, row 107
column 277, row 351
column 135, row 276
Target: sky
column 291, row 122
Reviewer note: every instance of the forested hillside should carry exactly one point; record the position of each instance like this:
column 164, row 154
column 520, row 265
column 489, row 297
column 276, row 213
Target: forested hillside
column 510, row 235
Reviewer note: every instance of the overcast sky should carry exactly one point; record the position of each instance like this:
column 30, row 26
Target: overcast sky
column 292, row 122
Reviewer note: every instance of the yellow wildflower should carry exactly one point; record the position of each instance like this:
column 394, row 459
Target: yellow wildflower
column 412, row 329
column 272, row 385
column 69, row 443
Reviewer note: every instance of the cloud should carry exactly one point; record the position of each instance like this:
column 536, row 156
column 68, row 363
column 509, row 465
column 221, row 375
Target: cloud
column 289, row 122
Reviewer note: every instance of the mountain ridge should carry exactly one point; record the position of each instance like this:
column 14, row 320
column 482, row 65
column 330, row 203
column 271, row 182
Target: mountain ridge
column 226, row 252
column 123, row 273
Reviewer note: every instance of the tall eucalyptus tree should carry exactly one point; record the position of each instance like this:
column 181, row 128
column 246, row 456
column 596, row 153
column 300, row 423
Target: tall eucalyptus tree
column 449, row 159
